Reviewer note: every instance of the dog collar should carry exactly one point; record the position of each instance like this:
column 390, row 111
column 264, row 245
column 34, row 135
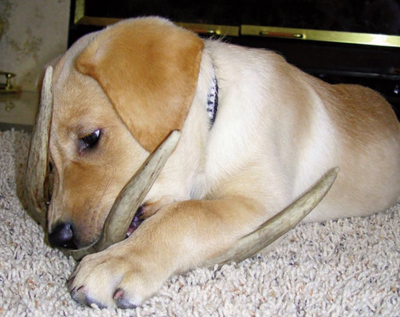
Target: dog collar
column 212, row 100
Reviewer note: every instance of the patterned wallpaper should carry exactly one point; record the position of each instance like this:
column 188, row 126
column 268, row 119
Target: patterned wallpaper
column 34, row 33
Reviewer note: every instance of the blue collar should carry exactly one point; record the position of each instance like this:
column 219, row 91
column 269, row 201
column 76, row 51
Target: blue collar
column 212, row 101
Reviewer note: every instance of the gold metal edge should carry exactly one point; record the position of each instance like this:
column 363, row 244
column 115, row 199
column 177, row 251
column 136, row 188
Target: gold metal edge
column 255, row 30
column 221, row 30
column 79, row 13
column 96, row 21
column 81, row 19
column 320, row 35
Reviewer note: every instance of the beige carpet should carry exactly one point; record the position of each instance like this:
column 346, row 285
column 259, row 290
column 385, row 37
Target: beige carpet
column 348, row 267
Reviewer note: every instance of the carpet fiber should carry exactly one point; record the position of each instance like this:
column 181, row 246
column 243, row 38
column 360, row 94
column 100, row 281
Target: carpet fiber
column 348, row 267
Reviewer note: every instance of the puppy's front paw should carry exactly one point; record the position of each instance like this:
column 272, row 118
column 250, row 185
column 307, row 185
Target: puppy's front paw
column 110, row 280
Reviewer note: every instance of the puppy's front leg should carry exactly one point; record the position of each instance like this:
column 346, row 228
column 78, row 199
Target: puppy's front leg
column 177, row 238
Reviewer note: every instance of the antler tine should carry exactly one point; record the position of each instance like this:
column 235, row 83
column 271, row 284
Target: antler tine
column 281, row 223
column 37, row 167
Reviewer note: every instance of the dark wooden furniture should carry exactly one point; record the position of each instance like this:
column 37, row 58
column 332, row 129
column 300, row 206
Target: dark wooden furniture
column 343, row 41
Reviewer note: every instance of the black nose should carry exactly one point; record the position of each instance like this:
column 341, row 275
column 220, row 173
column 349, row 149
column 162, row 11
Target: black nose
column 62, row 236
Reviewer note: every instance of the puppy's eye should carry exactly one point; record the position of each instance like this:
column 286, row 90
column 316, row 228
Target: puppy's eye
column 90, row 140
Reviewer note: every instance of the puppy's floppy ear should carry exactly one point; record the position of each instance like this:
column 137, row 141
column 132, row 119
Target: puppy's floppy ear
column 148, row 67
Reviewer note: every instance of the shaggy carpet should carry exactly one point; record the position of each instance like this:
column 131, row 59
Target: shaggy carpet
column 348, row 267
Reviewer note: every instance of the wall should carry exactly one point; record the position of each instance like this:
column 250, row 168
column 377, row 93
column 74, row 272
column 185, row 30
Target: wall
column 34, row 32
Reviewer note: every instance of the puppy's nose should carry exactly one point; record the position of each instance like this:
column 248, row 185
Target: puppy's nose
column 62, row 236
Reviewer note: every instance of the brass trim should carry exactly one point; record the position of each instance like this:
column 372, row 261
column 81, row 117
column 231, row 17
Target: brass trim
column 324, row 36
column 79, row 11
column 262, row 31
column 82, row 19
column 7, row 87
column 96, row 21
column 222, row 30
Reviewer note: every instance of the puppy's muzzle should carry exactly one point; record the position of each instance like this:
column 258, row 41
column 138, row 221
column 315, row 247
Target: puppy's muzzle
column 63, row 235
column 132, row 195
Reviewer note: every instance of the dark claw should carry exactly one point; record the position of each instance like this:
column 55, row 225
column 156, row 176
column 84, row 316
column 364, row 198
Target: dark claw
column 90, row 301
column 121, row 301
column 70, row 280
column 79, row 295
column 125, row 304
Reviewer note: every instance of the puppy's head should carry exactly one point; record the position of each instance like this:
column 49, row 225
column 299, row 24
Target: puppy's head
column 117, row 94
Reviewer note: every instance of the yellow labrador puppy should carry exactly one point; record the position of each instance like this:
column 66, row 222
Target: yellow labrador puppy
column 256, row 133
